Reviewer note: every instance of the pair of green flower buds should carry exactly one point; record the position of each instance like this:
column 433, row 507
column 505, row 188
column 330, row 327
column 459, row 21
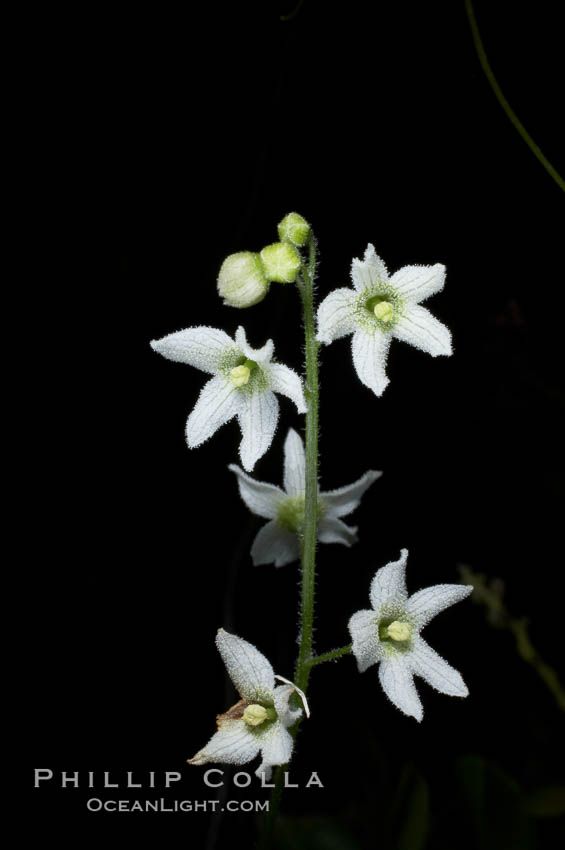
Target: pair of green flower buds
column 244, row 277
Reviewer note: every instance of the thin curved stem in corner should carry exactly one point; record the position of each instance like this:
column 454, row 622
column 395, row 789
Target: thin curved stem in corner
column 294, row 13
column 479, row 47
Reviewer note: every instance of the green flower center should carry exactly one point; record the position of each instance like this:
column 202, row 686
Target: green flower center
column 290, row 513
column 240, row 374
column 399, row 631
column 256, row 715
column 384, row 311
column 379, row 308
column 395, row 634
column 246, row 375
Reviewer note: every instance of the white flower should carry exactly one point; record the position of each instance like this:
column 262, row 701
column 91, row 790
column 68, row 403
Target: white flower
column 278, row 541
column 381, row 307
column 259, row 722
column 389, row 634
column 244, row 385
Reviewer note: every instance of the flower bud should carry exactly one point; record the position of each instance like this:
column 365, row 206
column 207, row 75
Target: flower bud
column 281, row 262
column 242, row 281
column 295, row 229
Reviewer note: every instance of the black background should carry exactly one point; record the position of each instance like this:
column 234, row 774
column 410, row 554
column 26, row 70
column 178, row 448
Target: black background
column 161, row 142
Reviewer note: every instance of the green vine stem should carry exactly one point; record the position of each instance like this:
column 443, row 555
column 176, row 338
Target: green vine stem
column 479, row 47
column 309, row 539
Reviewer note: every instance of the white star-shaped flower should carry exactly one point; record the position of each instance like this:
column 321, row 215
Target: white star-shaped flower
column 382, row 306
column 244, row 385
column 278, row 541
column 389, row 635
column 259, row 722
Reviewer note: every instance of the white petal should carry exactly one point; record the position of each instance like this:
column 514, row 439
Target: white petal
column 275, row 545
column 333, row 530
column 287, row 715
column 418, row 327
column 427, row 664
column 261, row 498
column 397, row 682
column 344, row 500
column 300, row 693
column 258, row 416
column 285, row 381
column 370, row 272
column 276, row 748
column 248, row 668
column 336, row 315
column 426, row 603
column 415, row 283
column 364, row 630
column 217, row 403
column 294, row 464
column 258, row 355
column 388, row 588
column 233, row 743
column 200, row 347
column 370, row 352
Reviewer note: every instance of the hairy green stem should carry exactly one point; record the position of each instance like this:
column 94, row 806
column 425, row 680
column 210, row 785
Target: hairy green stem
column 309, row 539
column 479, row 47
column 332, row 655
column 311, row 493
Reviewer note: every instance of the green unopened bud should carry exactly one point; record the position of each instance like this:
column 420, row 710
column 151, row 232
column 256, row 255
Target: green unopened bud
column 242, row 281
column 240, row 375
column 293, row 228
column 384, row 311
column 281, row 262
column 399, row 630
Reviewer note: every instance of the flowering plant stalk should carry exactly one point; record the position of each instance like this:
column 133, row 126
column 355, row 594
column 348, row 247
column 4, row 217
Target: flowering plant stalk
column 308, row 554
column 378, row 308
column 308, row 559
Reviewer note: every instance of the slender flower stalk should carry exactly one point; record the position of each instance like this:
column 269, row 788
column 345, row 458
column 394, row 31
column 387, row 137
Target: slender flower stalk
column 311, row 493
column 308, row 560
